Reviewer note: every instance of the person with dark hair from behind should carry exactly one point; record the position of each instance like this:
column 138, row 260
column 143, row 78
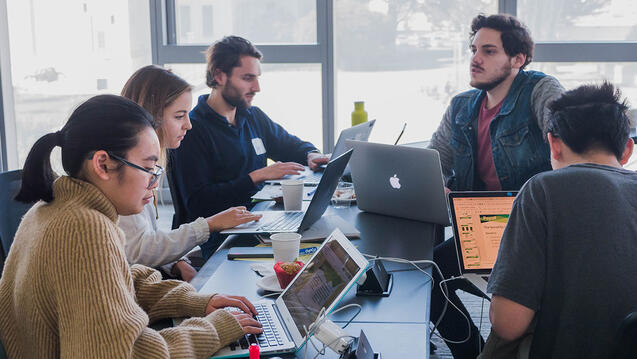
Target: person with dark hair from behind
column 567, row 256
column 168, row 98
column 223, row 161
column 490, row 138
column 67, row 289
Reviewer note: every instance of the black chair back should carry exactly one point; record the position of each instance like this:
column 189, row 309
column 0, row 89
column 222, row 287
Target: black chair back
column 11, row 211
column 626, row 340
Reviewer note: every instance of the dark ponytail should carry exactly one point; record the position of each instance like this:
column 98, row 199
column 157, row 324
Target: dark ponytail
column 37, row 174
column 104, row 122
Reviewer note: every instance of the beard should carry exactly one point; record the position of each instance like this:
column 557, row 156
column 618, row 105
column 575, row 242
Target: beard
column 497, row 79
column 232, row 96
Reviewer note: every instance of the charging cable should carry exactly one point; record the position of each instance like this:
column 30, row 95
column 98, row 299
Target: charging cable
column 443, row 288
column 322, row 317
column 329, row 333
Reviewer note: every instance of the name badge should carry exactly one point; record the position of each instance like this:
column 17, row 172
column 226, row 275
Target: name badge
column 259, row 148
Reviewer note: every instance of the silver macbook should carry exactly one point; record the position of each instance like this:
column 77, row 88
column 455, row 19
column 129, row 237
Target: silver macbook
column 399, row 181
column 321, row 283
column 299, row 221
column 478, row 220
column 359, row 133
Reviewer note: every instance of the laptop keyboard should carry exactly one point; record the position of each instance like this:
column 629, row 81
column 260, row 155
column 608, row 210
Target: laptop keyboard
column 271, row 336
column 288, row 221
column 314, row 177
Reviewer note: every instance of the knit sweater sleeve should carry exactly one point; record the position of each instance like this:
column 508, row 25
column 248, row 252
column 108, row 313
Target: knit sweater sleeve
column 100, row 300
column 441, row 141
column 545, row 91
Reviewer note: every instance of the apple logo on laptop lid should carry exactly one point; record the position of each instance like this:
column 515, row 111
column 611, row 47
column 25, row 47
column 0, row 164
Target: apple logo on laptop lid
column 394, row 182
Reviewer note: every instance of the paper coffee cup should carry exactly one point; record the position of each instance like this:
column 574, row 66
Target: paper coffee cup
column 292, row 194
column 285, row 246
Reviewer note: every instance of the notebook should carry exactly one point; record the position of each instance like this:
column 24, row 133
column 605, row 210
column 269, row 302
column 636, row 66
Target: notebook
column 321, row 283
column 478, row 220
column 359, row 133
column 299, row 221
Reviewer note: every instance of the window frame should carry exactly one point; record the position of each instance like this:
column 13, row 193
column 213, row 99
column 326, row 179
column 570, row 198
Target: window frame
column 166, row 50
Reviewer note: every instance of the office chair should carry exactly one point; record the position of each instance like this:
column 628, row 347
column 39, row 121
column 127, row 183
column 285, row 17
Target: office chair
column 625, row 345
column 11, row 211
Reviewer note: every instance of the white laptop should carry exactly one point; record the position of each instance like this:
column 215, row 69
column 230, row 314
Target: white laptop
column 299, row 221
column 479, row 219
column 359, row 133
column 321, row 283
column 399, row 181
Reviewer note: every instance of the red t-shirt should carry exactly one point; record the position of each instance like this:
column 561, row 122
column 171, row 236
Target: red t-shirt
column 485, row 166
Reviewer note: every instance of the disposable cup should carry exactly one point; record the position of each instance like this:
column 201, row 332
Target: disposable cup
column 285, row 246
column 292, row 194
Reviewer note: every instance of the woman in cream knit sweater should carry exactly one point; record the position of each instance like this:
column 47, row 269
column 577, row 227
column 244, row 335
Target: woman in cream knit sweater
column 67, row 289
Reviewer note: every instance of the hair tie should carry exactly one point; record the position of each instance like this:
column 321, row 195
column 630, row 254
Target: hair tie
column 59, row 138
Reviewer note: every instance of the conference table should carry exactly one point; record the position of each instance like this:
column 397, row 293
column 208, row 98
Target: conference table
column 397, row 326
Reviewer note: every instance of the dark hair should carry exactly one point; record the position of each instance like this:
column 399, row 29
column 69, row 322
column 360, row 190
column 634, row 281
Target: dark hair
column 104, row 122
column 155, row 88
column 225, row 55
column 516, row 38
column 591, row 117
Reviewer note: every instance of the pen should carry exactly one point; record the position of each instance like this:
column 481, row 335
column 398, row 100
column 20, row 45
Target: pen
column 311, row 192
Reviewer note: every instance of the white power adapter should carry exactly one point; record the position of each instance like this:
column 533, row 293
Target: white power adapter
column 333, row 336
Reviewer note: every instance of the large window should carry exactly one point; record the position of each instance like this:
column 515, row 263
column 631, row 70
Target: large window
column 575, row 20
column 56, row 62
column 405, row 59
column 261, row 21
column 290, row 95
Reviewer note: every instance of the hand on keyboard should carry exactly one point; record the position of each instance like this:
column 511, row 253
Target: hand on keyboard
column 275, row 171
column 248, row 323
column 219, row 301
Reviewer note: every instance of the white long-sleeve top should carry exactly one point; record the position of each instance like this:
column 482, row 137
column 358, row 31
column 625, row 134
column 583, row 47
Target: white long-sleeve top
column 148, row 245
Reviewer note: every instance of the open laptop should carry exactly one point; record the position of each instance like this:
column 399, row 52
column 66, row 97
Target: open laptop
column 299, row 221
column 479, row 219
column 359, row 133
column 321, row 283
column 399, row 181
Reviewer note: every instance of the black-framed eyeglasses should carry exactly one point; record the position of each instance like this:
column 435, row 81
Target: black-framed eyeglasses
column 159, row 170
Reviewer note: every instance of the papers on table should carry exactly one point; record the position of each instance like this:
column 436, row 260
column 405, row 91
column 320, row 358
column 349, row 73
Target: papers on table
column 270, row 192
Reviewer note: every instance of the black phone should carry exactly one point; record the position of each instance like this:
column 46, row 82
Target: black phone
column 250, row 252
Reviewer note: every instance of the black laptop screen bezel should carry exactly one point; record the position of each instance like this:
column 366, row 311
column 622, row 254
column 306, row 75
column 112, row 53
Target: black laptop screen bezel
column 452, row 209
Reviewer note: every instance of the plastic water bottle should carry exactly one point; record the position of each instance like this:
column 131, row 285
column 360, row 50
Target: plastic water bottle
column 359, row 115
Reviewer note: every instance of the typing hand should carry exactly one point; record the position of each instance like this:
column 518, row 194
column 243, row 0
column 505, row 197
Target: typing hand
column 314, row 160
column 219, row 301
column 276, row 171
column 230, row 218
column 248, row 323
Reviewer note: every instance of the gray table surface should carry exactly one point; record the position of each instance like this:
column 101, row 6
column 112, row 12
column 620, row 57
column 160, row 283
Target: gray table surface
column 404, row 314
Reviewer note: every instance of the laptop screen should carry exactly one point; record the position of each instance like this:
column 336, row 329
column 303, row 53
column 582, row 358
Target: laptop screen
column 319, row 284
column 479, row 223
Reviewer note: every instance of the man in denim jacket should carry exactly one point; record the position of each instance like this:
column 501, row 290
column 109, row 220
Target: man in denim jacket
column 490, row 138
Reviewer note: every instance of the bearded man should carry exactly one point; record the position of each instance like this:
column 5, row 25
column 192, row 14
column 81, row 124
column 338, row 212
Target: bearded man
column 490, row 138
column 222, row 161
